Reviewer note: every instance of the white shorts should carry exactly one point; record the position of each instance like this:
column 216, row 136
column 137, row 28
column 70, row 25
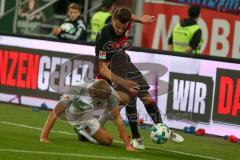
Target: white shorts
column 89, row 126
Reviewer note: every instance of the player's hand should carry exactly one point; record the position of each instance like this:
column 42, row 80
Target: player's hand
column 147, row 19
column 56, row 31
column 132, row 86
column 130, row 148
column 44, row 140
column 134, row 90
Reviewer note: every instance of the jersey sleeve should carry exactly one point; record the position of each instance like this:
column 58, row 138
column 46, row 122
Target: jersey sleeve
column 101, row 53
column 66, row 100
column 71, row 96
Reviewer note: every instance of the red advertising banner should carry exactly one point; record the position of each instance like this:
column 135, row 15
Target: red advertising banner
column 227, row 93
column 221, row 31
column 229, row 6
column 41, row 73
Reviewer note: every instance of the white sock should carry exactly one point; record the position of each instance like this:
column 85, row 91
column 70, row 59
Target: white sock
column 90, row 138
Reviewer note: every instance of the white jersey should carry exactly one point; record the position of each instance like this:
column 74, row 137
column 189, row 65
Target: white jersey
column 80, row 104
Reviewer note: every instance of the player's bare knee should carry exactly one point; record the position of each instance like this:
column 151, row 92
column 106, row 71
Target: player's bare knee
column 107, row 141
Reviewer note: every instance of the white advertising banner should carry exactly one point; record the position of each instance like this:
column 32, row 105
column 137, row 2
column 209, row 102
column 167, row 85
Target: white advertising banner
column 188, row 91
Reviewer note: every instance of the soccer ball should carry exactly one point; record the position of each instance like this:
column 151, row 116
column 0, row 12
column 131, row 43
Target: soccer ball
column 68, row 27
column 160, row 133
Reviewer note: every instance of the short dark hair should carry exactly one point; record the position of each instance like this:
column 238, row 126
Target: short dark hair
column 74, row 6
column 194, row 11
column 108, row 3
column 122, row 14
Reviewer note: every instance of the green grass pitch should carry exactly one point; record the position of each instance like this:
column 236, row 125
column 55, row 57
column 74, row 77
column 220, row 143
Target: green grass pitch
column 20, row 129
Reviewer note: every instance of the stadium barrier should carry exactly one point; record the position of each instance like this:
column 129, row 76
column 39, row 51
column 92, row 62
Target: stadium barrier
column 189, row 89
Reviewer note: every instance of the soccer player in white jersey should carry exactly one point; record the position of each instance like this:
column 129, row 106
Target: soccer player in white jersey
column 77, row 106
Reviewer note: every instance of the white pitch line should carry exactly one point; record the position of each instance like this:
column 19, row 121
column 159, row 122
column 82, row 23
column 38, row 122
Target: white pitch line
column 180, row 152
column 185, row 153
column 65, row 154
column 162, row 149
column 35, row 128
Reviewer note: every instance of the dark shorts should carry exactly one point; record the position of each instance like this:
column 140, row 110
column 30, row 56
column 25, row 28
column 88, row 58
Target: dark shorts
column 129, row 71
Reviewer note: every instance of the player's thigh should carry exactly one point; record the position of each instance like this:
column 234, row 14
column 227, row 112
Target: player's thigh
column 103, row 136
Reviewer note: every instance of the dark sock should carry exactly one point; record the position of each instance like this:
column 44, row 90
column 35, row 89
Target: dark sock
column 154, row 112
column 131, row 112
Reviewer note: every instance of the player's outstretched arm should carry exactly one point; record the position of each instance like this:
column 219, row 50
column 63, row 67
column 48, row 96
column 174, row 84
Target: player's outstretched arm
column 51, row 121
column 121, row 129
column 145, row 19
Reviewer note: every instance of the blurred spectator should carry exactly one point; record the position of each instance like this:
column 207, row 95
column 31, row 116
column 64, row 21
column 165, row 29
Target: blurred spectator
column 30, row 7
column 187, row 35
column 34, row 21
column 102, row 17
column 73, row 27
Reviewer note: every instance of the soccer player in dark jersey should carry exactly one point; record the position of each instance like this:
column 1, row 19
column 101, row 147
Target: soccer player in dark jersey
column 114, row 65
